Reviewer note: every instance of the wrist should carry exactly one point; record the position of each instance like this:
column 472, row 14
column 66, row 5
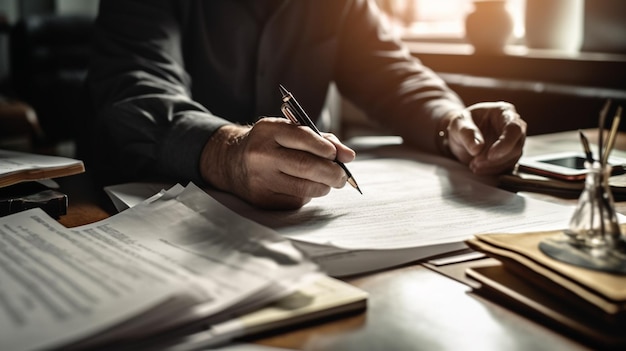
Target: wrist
column 442, row 135
column 220, row 158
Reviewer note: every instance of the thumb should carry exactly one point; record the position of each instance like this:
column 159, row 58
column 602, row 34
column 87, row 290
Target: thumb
column 470, row 136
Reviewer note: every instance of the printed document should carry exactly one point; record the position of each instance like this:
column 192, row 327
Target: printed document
column 413, row 206
column 175, row 259
column 16, row 167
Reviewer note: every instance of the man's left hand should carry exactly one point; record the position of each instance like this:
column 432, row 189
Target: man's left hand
column 488, row 137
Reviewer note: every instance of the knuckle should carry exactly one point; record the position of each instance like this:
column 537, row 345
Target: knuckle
column 303, row 189
column 505, row 105
column 318, row 190
column 294, row 187
column 302, row 163
column 518, row 126
column 325, row 191
column 326, row 148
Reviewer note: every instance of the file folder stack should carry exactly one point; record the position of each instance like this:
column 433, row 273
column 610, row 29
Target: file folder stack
column 588, row 304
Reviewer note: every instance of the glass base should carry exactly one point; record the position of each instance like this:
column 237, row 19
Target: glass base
column 610, row 260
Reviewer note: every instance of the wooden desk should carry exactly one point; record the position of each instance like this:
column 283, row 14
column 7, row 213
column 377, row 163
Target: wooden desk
column 410, row 308
column 86, row 203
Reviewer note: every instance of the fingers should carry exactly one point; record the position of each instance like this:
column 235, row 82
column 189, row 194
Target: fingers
column 503, row 133
column 298, row 138
column 282, row 191
column 344, row 153
column 485, row 165
column 466, row 140
column 286, row 165
column 270, row 162
column 512, row 135
column 305, row 139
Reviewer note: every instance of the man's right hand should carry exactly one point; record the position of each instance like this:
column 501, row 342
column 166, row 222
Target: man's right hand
column 274, row 164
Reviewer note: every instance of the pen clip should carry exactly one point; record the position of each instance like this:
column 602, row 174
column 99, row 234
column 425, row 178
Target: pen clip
column 287, row 112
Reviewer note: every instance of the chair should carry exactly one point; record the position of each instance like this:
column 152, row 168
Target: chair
column 49, row 57
column 19, row 126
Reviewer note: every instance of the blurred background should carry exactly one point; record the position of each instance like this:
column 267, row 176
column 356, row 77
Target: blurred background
column 44, row 53
column 558, row 61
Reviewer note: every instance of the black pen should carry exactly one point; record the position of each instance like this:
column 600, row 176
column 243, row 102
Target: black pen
column 295, row 113
column 586, row 147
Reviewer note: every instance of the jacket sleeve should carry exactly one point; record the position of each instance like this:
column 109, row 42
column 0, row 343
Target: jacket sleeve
column 393, row 87
column 145, row 121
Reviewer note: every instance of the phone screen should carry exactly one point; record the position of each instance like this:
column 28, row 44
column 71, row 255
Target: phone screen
column 572, row 162
column 564, row 165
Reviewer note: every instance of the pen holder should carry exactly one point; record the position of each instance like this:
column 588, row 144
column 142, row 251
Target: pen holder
column 594, row 223
column 594, row 238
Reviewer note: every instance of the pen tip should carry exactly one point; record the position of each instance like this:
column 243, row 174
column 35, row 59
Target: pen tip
column 353, row 183
column 282, row 89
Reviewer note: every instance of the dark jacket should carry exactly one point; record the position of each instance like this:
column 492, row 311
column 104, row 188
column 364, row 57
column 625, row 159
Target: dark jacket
column 167, row 73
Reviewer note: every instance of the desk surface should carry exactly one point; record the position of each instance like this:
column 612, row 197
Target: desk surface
column 410, row 307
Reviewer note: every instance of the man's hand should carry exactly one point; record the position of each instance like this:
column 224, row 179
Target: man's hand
column 488, row 136
column 274, row 164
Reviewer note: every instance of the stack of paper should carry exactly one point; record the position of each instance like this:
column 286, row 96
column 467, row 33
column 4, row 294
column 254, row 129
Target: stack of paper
column 21, row 182
column 589, row 303
column 177, row 262
column 16, row 167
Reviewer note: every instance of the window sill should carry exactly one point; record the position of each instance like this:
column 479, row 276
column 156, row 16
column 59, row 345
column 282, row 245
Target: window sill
column 552, row 90
column 518, row 62
column 454, row 48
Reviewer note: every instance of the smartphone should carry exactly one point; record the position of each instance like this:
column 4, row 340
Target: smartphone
column 564, row 165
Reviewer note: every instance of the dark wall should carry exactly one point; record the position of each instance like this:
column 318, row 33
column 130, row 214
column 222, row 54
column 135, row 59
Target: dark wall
column 605, row 26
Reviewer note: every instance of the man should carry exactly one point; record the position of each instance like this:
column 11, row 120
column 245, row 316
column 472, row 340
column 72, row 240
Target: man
column 179, row 88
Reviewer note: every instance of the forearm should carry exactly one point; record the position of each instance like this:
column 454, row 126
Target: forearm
column 428, row 130
column 380, row 75
column 146, row 122
column 219, row 164
column 149, row 138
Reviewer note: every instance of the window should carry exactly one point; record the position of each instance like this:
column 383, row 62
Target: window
column 440, row 20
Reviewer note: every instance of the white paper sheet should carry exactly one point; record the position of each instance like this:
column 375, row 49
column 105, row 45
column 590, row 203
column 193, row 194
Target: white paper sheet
column 127, row 195
column 192, row 236
column 18, row 166
column 52, row 286
column 407, row 204
column 183, row 248
column 413, row 206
